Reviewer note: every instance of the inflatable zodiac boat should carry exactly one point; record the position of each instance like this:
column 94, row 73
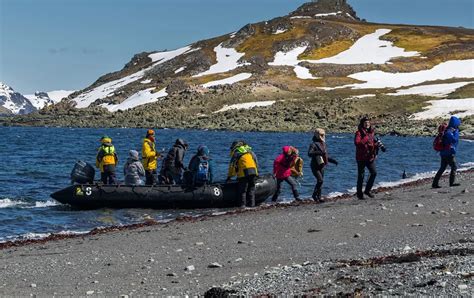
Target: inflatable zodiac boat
column 85, row 194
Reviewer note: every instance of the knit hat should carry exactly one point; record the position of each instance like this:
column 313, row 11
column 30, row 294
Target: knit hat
column 133, row 154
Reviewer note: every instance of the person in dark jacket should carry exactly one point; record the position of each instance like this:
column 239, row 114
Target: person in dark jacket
column 282, row 169
column 173, row 164
column 450, row 142
column 106, row 160
column 366, row 153
column 319, row 160
column 201, row 167
column 133, row 169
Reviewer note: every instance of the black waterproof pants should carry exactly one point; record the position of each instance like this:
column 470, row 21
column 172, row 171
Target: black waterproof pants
column 445, row 161
column 292, row 182
column 318, row 172
column 361, row 165
column 247, row 190
column 108, row 175
column 150, row 176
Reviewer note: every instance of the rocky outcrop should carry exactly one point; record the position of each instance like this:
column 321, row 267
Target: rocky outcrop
column 319, row 7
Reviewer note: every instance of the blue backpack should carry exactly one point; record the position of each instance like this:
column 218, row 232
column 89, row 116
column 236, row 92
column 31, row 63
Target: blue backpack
column 202, row 174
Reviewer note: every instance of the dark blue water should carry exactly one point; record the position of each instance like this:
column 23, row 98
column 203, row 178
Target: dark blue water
column 37, row 161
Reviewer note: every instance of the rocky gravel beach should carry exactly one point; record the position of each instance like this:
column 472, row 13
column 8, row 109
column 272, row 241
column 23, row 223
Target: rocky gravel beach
column 410, row 240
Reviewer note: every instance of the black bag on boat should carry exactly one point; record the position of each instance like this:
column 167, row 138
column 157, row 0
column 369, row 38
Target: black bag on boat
column 82, row 173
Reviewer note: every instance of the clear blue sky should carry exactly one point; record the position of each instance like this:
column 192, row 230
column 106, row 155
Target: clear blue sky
column 67, row 44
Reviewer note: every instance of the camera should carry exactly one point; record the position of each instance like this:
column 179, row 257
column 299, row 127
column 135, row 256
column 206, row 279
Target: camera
column 379, row 144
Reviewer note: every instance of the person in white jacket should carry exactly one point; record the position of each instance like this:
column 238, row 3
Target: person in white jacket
column 133, row 169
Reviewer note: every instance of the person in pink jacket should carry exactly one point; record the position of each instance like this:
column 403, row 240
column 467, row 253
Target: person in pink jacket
column 282, row 171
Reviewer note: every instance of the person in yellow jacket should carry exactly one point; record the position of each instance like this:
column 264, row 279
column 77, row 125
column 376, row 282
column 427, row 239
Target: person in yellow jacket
column 297, row 165
column 244, row 165
column 106, row 160
column 150, row 157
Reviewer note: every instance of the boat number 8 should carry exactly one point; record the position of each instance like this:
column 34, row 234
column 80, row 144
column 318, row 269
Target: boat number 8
column 88, row 191
column 217, row 191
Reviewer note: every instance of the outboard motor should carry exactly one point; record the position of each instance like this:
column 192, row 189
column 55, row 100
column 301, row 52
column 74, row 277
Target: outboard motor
column 82, row 173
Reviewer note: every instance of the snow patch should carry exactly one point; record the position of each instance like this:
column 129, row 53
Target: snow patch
column 140, row 98
column 443, row 71
column 146, row 81
column 290, row 58
column 57, row 95
column 162, row 57
column 106, row 90
column 364, row 95
column 301, row 17
column 437, row 90
column 280, row 31
column 234, row 79
column 180, row 69
column 368, row 49
column 227, row 60
column 327, row 14
column 246, row 106
column 445, row 108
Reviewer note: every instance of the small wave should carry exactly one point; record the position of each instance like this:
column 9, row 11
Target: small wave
column 335, row 194
column 8, row 203
column 43, row 204
column 467, row 140
column 418, row 176
column 467, row 165
column 37, row 236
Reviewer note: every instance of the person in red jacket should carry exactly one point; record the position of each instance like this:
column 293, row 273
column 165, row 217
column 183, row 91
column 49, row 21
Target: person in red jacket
column 366, row 153
column 282, row 171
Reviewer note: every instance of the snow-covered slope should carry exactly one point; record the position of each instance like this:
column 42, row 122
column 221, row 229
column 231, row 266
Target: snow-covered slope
column 41, row 99
column 13, row 101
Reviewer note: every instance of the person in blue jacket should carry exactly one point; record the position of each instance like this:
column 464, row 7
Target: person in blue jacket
column 201, row 167
column 450, row 142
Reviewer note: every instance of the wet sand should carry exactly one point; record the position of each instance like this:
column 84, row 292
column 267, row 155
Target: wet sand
column 249, row 250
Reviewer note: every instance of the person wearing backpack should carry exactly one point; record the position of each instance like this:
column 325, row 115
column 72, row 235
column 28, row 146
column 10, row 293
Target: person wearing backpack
column 244, row 165
column 450, row 140
column 133, row 169
column 319, row 160
column 282, row 169
column 106, row 160
column 201, row 167
column 173, row 164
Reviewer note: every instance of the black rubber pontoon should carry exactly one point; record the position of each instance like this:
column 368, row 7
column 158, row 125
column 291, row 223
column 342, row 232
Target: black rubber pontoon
column 93, row 196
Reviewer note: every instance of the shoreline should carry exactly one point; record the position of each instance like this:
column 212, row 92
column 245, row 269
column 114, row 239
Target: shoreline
column 343, row 246
column 53, row 237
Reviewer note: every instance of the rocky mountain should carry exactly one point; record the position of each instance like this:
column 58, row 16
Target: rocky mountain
column 42, row 99
column 319, row 65
column 12, row 102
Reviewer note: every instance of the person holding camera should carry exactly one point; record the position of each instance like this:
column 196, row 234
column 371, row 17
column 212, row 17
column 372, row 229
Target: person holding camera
column 367, row 146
